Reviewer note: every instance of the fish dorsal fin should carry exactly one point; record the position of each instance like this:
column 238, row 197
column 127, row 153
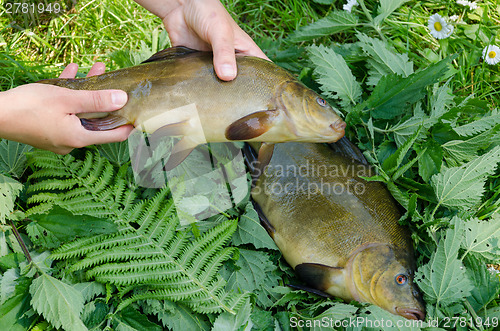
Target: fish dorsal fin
column 170, row 53
column 345, row 147
column 319, row 276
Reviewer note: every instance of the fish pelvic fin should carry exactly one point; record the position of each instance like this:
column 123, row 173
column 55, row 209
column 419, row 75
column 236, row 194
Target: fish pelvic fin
column 252, row 125
column 265, row 155
column 179, row 153
column 318, row 275
column 105, row 123
column 263, row 219
column 310, row 290
column 170, row 53
column 345, row 147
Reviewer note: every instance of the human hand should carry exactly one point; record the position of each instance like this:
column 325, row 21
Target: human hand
column 44, row 116
column 205, row 25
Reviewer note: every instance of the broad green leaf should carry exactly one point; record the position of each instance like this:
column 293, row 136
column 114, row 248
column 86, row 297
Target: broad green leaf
column 443, row 280
column 65, row 226
column 129, row 319
column 486, row 284
column 116, row 153
column 94, row 314
column 430, row 162
column 481, row 125
column 325, row 321
column 250, row 231
column 8, row 284
column 482, row 237
column 176, row 316
column 13, row 157
column 466, row 150
column 463, row 186
column 41, row 237
column 193, row 205
column 404, row 130
column 90, row 290
column 383, row 61
column 335, row 77
column 9, row 190
column 393, row 94
column 335, row 22
column 241, row 320
column 13, row 315
column 375, row 318
column 387, row 7
column 263, row 320
column 393, row 162
column 441, row 100
column 59, row 303
column 255, row 275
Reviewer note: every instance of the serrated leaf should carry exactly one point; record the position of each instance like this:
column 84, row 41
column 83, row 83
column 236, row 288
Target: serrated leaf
column 9, row 190
column 383, row 61
column 486, row 284
column 8, row 284
column 13, row 315
column 443, row 280
column 441, row 100
column 59, row 303
column 466, row 150
column 176, row 316
column 386, row 8
column 250, row 231
column 65, row 226
column 393, row 162
column 430, row 162
column 482, row 237
column 90, row 290
column 117, row 153
column 404, row 130
column 335, row 77
column 463, row 186
column 255, row 275
column 393, row 94
column 41, row 237
column 372, row 317
column 228, row 321
column 481, row 125
column 13, row 157
column 337, row 312
column 129, row 319
column 335, row 22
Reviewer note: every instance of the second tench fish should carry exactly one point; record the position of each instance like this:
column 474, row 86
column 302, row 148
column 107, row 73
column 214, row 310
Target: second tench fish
column 339, row 232
column 177, row 90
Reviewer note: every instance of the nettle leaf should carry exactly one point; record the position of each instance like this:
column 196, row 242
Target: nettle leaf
column 337, row 312
column 404, row 130
column 443, row 280
column 59, row 303
column 255, row 275
column 393, row 162
column 13, row 312
column 8, row 284
column 441, row 100
column 129, row 319
column 463, row 186
column 335, row 77
column 250, row 231
column 228, row 321
column 373, row 315
column 486, row 284
column 386, row 8
column 482, row 237
column 117, row 153
column 466, row 150
column 393, row 94
column 337, row 21
column 383, row 61
column 9, row 190
column 13, row 157
column 90, row 290
column 481, row 125
column 176, row 316
column 430, row 162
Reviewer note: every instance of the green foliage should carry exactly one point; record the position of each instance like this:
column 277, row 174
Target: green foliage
column 9, row 189
column 335, row 22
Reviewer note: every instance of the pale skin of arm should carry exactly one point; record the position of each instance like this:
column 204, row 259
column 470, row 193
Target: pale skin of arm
column 44, row 116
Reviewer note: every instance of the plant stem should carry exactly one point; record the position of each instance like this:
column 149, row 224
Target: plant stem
column 21, row 242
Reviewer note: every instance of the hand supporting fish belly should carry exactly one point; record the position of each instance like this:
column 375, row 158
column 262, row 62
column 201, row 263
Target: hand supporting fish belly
column 264, row 103
column 339, row 232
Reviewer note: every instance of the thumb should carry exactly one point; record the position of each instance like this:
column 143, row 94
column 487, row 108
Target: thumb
column 101, row 101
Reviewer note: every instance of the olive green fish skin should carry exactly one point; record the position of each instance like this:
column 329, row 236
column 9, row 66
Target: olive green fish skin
column 290, row 110
column 323, row 213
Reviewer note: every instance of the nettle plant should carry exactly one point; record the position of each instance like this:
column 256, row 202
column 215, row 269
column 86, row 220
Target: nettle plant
column 82, row 247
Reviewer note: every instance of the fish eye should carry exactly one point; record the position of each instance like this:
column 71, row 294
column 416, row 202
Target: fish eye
column 321, row 101
column 401, row 279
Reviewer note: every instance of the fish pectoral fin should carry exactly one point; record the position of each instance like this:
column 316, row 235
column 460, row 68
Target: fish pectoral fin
column 263, row 219
column 345, row 147
column 170, row 53
column 105, row 123
column 179, row 153
column 319, row 276
column 310, row 290
column 265, row 155
column 251, row 126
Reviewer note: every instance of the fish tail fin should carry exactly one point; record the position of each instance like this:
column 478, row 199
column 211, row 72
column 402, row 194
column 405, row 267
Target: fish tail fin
column 103, row 124
column 345, row 147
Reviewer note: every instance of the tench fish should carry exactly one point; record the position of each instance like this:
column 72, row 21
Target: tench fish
column 177, row 90
column 339, row 232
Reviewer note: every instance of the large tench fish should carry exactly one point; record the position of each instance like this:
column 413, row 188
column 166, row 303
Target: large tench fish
column 177, row 90
column 339, row 232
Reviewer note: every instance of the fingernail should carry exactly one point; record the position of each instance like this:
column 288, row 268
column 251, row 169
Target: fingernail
column 119, row 98
column 228, row 71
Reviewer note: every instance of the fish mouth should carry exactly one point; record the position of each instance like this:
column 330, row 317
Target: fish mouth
column 411, row 313
column 339, row 126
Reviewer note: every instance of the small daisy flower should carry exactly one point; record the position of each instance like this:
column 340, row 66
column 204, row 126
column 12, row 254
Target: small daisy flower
column 454, row 18
column 463, row 3
column 491, row 54
column 472, row 5
column 350, row 3
column 439, row 28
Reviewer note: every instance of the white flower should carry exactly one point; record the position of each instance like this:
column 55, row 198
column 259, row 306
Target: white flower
column 350, row 3
column 439, row 28
column 491, row 54
column 454, row 18
column 472, row 5
column 463, row 3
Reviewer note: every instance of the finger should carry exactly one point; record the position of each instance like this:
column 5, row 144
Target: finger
column 99, row 101
column 222, row 41
column 70, row 71
column 97, row 69
column 247, row 46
